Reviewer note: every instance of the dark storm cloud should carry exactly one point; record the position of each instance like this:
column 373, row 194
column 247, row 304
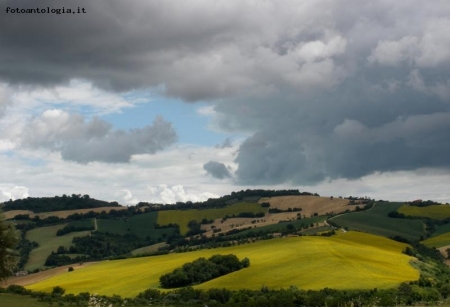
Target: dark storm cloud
column 329, row 88
column 86, row 141
column 216, row 169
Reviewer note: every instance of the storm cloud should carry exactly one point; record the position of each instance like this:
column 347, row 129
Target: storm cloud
column 86, row 141
column 216, row 169
column 326, row 91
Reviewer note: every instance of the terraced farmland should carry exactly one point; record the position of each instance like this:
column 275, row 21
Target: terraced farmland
column 183, row 217
column 376, row 221
column 366, row 261
column 436, row 212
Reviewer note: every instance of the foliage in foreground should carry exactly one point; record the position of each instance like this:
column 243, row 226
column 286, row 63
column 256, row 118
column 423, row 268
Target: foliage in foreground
column 8, row 240
column 202, row 269
column 406, row 294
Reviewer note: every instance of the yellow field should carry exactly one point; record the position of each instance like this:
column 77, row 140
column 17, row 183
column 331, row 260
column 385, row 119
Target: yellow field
column 438, row 241
column 349, row 260
column 48, row 242
column 437, row 212
column 183, row 217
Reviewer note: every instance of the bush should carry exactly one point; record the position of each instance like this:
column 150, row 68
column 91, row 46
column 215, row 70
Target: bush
column 201, row 270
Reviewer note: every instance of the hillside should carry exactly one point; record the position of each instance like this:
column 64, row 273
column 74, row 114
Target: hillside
column 275, row 263
column 376, row 221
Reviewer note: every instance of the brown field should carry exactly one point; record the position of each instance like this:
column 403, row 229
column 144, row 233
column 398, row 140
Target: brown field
column 61, row 214
column 443, row 250
column 11, row 214
column 36, row 277
column 309, row 205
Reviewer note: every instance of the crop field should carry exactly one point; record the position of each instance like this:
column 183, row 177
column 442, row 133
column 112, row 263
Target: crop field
column 349, row 260
column 183, row 217
column 440, row 230
column 377, row 222
column 142, row 225
column 82, row 223
column 309, row 204
column 279, row 227
column 148, row 249
column 438, row 241
column 14, row 300
column 61, row 214
column 436, row 212
column 48, row 242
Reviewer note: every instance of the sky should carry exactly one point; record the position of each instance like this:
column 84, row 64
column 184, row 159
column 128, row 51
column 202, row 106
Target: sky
column 166, row 101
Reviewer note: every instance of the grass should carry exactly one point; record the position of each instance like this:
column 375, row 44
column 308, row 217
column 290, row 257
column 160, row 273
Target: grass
column 48, row 242
column 82, row 223
column 377, row 222
column 148, row 249
column 183, row 217
column 142, row 225
column 435, row 212
column 440, row 230
column 350, row 260
column 14, row 300
column 438, row 241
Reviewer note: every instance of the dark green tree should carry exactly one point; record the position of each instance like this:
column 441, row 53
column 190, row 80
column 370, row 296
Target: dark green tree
column 8, row 240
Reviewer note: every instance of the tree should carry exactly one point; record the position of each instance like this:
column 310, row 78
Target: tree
column 8, row 240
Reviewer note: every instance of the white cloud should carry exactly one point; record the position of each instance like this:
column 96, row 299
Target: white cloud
column 126, row 197
column 77, row 93
column 169, row 195
column 12, row 192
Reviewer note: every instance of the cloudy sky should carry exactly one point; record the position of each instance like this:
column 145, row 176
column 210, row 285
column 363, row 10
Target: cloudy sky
column 168, row 101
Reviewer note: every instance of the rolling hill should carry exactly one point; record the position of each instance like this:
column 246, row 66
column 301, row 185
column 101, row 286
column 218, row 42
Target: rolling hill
column 365, row 260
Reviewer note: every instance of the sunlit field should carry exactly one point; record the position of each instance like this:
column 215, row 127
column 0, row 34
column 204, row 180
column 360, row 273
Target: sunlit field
column 436, row 212
column 349, row 260
column 183, row 217
column 438, row 241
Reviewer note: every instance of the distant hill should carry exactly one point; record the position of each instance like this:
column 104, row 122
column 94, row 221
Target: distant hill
column 57, row 203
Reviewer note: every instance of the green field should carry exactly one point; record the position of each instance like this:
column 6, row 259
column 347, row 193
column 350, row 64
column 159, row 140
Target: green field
column 14, row 300
column 82, row 223
column 436, row 212
column 148, row 249
column 183, row 217
column 349, row 260
column 377, row 222
column 142, row 225
column 48, row 242
column 440, row 230
column 438, row 241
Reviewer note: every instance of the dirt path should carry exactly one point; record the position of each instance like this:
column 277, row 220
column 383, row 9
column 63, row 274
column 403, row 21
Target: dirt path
column 36, row 277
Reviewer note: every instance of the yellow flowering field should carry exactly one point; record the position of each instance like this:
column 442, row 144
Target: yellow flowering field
column 348, row 260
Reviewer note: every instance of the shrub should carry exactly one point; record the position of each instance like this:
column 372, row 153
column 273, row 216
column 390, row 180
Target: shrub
column 201, row 270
